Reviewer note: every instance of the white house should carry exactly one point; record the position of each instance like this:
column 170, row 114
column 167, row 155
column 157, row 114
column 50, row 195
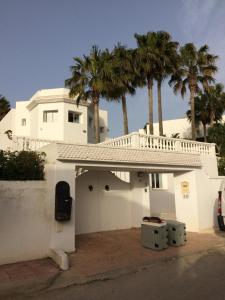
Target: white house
column 52, row 115
column 176, row 126
column 184, row 179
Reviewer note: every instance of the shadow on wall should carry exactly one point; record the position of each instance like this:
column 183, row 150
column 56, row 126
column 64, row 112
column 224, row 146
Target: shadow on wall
column 104, row 202
column 162, row 204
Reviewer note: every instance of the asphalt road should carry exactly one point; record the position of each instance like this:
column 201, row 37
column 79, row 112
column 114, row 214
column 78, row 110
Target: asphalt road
column 200, row 276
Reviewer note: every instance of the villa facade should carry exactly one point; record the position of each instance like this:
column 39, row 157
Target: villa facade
column 108, row 183
column 52, row 115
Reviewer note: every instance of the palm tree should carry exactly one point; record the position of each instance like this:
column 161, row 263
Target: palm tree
column 216, row 98
column 202, row 114
column 123, row 79
column 196, row 67
column 4, row 107
column 166, row 65
column 146, row 60
column 88, row 81
column 209, row 107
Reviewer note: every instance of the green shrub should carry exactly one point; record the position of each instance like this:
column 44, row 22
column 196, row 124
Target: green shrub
column 221, row 166
column 216, row 134
column 23, row 165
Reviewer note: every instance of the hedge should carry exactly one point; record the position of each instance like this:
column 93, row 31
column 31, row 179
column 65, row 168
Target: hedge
column 21, row 165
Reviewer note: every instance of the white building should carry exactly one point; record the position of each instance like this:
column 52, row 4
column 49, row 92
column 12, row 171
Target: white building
column 181, row 126
column 52, row 115
column 184, row 180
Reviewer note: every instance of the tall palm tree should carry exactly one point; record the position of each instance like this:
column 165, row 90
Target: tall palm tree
column 216, row 99
column 123, row 78
column 146, row 60
column 88, row 81
column 209, row 107
column 202, row 113
column 4, row 107
column 197, row 66
column 166, row 65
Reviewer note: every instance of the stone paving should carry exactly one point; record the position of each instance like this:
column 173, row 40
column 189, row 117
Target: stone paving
column 44, row 268
column 99, row 256
column 106, row 251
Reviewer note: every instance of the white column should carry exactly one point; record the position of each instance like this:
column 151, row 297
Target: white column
column 62, row 233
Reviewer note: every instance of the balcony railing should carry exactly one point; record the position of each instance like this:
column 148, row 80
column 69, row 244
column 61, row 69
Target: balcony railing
column 137, row 140
column 30, row 144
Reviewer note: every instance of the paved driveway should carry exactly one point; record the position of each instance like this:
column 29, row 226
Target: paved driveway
column 106, row 255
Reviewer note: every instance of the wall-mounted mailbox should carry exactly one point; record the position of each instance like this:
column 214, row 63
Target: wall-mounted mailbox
column 63, row 201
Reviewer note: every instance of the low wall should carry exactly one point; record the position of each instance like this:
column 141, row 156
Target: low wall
column 24, row 220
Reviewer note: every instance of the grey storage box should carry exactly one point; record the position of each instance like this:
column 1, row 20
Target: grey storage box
column 176, row 233
column 154, row 235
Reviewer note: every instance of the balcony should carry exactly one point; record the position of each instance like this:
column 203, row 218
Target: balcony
column 159, row 143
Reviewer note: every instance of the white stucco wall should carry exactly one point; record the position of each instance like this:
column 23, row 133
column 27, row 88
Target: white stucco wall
column 7, row 123
column 75, row 131
column 123, row 206
column 199, row 210
column 22, row 113
column 181, row 126
column 162, row 201
column 101, row 210
column 7, row 144
column 61, row 130
column 24, row 220
column 50, row 130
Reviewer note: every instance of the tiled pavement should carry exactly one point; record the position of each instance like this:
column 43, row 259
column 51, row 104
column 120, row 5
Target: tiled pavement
column 106, row 251
column 44, row 268
column 97, row 255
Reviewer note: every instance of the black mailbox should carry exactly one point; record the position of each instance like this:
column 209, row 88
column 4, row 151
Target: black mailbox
column 63, row 201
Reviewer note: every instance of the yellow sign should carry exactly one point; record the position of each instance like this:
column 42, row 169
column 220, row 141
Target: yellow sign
column 185, row 188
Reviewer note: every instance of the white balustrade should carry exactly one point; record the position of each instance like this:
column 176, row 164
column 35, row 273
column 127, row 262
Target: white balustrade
column 137, row 140
column 29, row 144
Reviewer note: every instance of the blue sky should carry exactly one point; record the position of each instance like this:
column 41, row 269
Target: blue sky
column 38, row 40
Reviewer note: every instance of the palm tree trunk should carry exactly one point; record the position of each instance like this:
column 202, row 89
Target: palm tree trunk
column 96, row 120
column 150, row 107
column 192, row 100
column 204, row 132
column 211, row 118
column 125, row 119
column 159, row 83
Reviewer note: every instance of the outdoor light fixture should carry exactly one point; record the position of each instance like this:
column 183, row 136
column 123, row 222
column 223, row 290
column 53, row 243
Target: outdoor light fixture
column 140, row 174
column 107, row 188
column 90, row 187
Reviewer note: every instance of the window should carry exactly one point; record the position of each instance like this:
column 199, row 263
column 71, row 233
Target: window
column 156, row 181
column 74, row 117
column 50, row 116
column 23, row 122
column 102, row 129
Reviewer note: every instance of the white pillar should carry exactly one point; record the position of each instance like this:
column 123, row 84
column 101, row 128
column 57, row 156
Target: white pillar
column 62, row 233
column 187, row 203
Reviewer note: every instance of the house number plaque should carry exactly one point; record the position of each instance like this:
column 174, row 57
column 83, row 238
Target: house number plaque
column 185, row 189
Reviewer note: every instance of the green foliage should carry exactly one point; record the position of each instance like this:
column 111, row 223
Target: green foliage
column 216, row 134
column 4, row 107
column 221, row 166
column 24, row 165
column 196, row 68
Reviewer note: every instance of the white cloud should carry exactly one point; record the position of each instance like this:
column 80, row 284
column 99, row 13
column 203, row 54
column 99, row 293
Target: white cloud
column 203, row 22
column 195, row 16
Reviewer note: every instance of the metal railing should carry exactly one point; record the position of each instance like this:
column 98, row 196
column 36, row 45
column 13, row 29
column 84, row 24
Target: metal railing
column 30, row 144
